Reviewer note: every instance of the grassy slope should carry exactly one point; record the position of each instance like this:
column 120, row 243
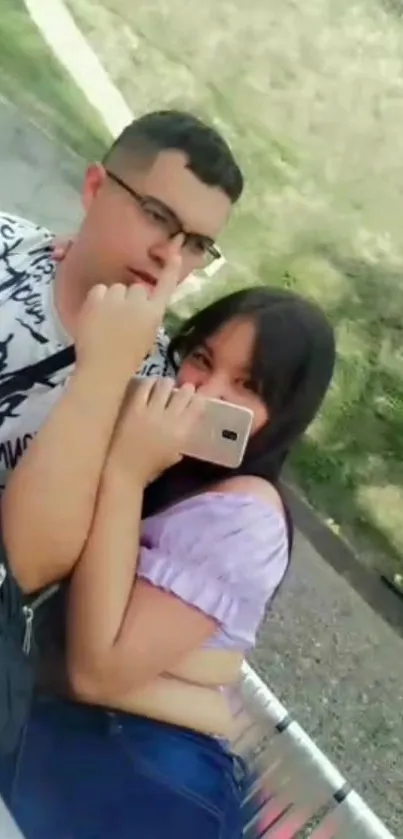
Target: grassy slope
column 31, row 77
column 310, row 95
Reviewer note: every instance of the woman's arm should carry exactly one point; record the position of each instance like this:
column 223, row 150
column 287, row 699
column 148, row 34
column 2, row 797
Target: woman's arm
column 178, row 703
column 48, row 504
column 209, row 667
column 119, row 634
column 123, row 635
column 49, row 499
column 115, row 635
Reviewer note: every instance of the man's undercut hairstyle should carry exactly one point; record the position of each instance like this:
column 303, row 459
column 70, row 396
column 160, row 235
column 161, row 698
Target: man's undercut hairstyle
column 209, row 156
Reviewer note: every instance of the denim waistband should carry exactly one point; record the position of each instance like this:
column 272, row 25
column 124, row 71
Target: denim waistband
column 187, row 757
column 108, row 720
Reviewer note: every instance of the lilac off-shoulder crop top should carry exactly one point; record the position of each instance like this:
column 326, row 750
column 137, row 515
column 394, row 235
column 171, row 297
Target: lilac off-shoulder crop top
column 221, row 552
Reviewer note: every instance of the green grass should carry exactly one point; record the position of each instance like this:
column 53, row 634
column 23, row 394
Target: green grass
column 33, row 79
column 310, row 96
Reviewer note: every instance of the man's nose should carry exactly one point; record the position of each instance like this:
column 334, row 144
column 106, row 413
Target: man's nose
column 160, row 249
column 159, row 252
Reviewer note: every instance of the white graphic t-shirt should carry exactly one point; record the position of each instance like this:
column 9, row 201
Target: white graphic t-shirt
column 30, row 331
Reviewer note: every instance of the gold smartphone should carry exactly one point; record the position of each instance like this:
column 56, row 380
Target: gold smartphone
column 222, row 434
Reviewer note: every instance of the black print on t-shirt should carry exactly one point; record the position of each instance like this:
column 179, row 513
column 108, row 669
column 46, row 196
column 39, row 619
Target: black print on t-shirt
column 20, row 283
column 36, row 335
column 11, row 451
column 9, row 405
column 27, row 335
column 4, row 352
column 20, row 290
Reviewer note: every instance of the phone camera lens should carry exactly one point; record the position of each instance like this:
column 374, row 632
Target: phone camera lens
column 227, row 434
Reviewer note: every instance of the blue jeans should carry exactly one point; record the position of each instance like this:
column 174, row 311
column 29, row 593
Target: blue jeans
column 87, row 773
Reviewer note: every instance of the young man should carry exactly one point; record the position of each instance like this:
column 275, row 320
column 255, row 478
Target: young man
column 153, row 210
column 167, row 174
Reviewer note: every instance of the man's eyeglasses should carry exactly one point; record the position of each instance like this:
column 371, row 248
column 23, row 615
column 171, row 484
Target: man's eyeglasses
column 157, row 213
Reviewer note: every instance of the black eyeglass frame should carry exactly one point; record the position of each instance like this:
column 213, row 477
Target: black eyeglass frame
column 210, row 249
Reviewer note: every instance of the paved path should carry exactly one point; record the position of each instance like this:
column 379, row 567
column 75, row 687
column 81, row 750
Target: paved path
column 327, row 656
column 73, row 51
column 37, row 177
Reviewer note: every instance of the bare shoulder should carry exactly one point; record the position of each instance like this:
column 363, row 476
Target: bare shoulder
column 250, row 485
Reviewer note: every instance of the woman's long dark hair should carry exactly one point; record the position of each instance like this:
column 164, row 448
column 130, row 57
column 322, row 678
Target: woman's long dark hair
column 292, row 366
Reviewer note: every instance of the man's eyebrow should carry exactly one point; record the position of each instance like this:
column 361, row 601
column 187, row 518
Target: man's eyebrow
column 202, row 236
column 163, row 205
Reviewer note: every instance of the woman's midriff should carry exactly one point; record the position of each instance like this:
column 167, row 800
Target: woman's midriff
column 190, row 696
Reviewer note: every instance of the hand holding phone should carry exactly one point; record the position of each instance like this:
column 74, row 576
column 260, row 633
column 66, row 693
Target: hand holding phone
column 221, row 435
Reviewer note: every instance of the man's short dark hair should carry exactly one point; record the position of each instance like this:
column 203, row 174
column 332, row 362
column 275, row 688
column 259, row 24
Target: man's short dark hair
column 209, row 156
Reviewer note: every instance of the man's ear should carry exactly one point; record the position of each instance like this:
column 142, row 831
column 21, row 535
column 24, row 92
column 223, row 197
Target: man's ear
column 95, row 178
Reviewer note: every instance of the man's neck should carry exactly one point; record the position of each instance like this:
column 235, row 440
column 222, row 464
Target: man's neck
column 68, row 294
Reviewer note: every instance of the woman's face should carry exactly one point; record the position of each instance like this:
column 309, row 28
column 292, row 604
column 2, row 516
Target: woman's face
column 221, row 369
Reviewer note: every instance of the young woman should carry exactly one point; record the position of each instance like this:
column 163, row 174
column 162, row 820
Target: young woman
column 195, row 574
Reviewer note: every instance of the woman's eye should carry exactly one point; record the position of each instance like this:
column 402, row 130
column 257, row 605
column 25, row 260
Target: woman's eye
column 249, row 384
column 200, row 358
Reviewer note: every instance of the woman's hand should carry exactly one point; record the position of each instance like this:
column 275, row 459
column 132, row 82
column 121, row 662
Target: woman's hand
column 61, row 246
column 155, row 423
column 117, row 325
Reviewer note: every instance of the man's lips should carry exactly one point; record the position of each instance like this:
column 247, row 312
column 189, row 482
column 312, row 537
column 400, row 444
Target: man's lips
column 143, row 277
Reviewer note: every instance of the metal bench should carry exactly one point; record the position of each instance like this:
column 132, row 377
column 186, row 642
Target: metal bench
column 8, row 828
column 298, row 793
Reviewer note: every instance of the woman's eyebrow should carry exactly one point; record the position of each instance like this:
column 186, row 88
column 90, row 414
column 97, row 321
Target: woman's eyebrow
column 203, row 345
column 246, row 369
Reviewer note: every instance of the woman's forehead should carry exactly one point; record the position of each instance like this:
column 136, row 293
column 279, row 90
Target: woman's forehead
column 234, row 342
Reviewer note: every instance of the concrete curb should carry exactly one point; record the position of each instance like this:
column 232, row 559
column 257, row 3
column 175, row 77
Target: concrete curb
column 337, row 553
column 73, row 51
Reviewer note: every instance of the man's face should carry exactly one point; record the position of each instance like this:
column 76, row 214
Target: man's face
column 131, row 220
